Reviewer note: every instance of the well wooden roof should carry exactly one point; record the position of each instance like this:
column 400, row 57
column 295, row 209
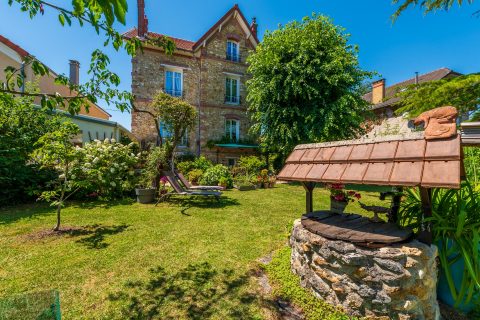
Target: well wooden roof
column 394, row 161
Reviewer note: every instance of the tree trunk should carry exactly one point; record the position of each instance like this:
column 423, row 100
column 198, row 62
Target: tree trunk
column 59, row 208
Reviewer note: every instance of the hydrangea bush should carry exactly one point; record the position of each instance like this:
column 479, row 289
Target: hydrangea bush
column 213, row 175
column 108, row 166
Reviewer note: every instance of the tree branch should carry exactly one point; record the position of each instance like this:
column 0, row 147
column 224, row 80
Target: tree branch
column 32, row 94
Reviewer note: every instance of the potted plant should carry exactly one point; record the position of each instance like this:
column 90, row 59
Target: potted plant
column 264, row 179
column 151, row 173
column 339, row 197
column 144, row 191
column 271, row 181
column 223, row 182
column 455, row 224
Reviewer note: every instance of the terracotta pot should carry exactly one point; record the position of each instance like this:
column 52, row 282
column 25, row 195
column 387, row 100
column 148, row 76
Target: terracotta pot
column 337, row 206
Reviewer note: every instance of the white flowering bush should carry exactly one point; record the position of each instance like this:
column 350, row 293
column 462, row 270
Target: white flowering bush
column 108, row 167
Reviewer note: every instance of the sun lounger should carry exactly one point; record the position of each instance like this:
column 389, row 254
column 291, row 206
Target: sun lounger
column 187, row 184
column 178, row 190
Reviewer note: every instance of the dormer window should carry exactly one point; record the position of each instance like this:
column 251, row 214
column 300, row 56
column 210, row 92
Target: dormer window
column 233, row 51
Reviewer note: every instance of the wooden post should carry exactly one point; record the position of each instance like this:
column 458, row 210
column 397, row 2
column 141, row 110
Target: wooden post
column 425, row 235
column 309, row 186
column 395, row 205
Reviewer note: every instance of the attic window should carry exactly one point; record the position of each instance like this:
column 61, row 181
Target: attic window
column 233, row 51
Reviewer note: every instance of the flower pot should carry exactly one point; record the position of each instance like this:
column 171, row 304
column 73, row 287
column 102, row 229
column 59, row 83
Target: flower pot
column 456, row 270
column 145, row 195
column 337, row 206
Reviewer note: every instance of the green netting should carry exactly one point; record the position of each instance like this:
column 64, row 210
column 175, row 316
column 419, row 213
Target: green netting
column 43, row 305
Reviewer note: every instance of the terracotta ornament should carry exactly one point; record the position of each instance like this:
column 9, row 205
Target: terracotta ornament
column 439, row 123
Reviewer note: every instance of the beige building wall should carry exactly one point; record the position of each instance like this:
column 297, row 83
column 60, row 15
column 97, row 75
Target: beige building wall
column 9, row 57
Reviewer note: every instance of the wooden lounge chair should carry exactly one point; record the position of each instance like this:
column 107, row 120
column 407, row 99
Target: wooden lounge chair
column 187, row 184
column 178, row 190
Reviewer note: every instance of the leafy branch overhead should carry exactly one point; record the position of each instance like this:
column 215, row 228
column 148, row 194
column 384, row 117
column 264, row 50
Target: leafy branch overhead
column 101, row 15
column 428, row 6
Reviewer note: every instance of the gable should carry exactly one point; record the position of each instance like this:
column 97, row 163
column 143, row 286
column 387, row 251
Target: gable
column 233, row 16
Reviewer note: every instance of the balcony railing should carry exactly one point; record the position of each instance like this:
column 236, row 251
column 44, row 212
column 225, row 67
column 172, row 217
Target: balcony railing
column 233, row 99
column 233, row 57
column 175, row 93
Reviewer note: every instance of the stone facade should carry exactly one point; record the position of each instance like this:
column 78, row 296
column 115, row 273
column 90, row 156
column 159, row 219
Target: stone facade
column 395, row 282
column 204, row 67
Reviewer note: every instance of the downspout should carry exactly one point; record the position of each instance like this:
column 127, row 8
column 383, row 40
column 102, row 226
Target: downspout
column 22, row 73
column 199, row 144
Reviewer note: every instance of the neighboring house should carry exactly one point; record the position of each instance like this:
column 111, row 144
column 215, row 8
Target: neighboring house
column 384, row 103
column 210, row 74
column 94, row 124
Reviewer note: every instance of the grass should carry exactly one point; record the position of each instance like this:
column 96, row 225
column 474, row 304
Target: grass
column 286, row 285
column 182, row 259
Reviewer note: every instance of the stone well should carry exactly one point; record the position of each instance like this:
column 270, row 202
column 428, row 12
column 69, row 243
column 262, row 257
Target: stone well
column 393, row 282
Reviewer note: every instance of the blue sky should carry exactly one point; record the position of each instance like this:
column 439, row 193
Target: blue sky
column 414, row 43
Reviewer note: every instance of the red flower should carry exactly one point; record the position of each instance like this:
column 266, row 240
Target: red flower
column 339, row 197
column 357, row 195
column 351, row 193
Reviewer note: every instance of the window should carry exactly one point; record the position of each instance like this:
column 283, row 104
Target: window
column 173, row 83
column 233, row 52
column 232, row 90
column 232, row 130
column 166, row 135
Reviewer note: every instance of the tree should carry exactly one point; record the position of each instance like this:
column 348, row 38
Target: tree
column 305, row 86
column 55, row 150
column 101, row 15
column 461, row 92
column 428, row 5
column 176, row 115
column 21, row 125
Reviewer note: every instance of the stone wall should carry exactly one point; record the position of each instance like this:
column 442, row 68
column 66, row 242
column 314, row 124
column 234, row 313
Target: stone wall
column 394, row 282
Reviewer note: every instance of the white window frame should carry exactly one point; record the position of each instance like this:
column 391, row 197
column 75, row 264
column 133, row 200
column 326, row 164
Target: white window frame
column 174, row 70
column 237, row 129
column 237, row 97
column 234, row 56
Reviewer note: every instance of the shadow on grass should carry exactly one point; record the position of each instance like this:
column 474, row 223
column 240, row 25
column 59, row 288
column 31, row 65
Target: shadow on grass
column 13, row 214
column 101, row 204
column 95, row 234
column 197, row 291
column 196, row 202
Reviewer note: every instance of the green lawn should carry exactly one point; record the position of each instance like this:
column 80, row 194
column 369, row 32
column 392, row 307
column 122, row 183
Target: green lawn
column 182, row 259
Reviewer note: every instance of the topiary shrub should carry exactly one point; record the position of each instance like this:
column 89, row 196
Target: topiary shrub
column 213, row 175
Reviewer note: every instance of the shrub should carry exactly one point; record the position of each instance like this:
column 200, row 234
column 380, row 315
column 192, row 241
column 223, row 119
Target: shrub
column 21, row 125
column 251, row 164
column 157, row 160
column 213, row 175
column 200, row 163
column 195, row 175
column 108, row 166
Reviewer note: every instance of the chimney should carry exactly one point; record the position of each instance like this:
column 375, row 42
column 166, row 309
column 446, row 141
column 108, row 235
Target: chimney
column 74, row 72
column 416, row 77
column 378, row 91
column 142, row 19
column 254, row 26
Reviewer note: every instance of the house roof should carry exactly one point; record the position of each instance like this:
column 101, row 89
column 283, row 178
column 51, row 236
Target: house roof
column 393, row 89
column 21, row 52
column 188, row 45
column 394, row 161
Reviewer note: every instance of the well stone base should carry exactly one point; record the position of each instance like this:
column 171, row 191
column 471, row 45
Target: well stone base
column 394, row 282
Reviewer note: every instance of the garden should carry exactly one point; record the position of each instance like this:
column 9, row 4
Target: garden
column 121, row 230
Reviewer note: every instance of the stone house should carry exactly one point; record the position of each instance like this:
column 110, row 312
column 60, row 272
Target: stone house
column 384, row 103
column 210, row 74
